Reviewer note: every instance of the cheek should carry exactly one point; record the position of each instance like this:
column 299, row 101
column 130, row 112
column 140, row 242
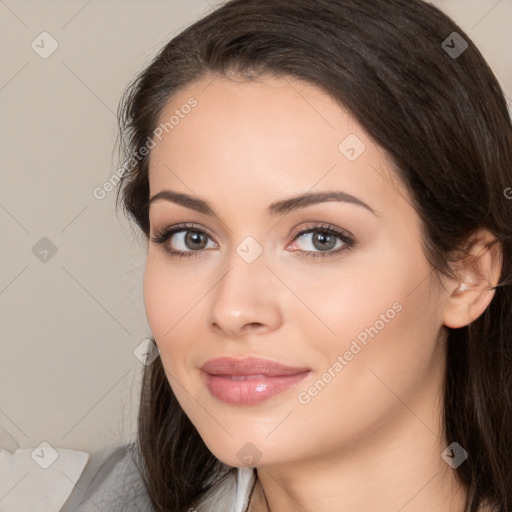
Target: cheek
column 349, row 296
column 386, row 335
column 382, row 293
column 168, row 300
column 169, row 305
column 382, row 354
column 158, row 301
column 379, row 313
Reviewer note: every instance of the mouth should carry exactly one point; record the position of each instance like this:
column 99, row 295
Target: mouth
column 250, row 380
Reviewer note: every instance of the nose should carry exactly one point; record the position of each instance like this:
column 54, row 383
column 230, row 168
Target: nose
column 245, row 300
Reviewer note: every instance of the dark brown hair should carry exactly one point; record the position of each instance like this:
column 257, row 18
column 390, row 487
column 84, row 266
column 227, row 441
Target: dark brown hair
column 443, row 121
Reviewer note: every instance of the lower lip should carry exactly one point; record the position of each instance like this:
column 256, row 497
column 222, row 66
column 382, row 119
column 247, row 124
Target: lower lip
column 250, row 392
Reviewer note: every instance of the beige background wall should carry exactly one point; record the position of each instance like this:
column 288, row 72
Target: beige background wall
column 69, row 325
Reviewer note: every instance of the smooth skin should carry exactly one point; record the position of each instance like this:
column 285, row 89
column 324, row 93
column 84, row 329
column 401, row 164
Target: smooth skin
column 371, row 438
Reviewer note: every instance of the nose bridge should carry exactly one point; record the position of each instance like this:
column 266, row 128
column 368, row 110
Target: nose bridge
column 244, row 295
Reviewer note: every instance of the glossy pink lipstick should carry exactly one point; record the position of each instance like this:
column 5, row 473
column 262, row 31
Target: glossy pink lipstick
column 249, row 380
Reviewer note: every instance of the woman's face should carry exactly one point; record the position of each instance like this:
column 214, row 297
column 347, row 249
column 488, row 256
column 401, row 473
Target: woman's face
column 355, row 312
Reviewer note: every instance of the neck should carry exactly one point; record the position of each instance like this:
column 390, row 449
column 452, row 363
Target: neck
column 401, row 476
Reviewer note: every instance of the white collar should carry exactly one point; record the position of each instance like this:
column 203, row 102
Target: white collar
column 245, row 480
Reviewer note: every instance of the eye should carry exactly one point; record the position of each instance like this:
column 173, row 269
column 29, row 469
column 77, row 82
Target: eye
column 189, row 239
column 323, row 241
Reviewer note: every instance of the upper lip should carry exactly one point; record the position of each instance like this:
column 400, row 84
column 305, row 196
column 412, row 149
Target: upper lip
column 249, row 366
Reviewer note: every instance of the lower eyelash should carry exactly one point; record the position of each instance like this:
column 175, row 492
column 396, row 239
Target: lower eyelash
column 164, row 235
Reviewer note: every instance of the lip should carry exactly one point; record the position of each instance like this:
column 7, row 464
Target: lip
column 250, row 380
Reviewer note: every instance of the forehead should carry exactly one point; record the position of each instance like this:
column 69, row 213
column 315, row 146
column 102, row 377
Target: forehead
column 265, row 139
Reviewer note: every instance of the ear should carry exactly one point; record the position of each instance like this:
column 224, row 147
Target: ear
column 472, row 290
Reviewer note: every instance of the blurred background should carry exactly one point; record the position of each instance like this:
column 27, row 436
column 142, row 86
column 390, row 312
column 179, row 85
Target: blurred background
column 72, row 320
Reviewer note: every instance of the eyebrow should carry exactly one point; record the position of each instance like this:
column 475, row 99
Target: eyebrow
column 277, row 208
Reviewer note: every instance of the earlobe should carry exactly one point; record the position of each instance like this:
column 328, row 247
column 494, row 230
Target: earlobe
column 466, row 303
column 475, row 287
column 462, row 288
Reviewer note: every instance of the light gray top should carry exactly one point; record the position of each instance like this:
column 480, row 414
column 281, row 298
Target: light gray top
column 112, row 482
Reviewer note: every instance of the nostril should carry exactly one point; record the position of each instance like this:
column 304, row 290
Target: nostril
column 252, row 325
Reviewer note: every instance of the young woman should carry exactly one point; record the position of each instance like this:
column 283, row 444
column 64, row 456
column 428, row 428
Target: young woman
column 325, row 188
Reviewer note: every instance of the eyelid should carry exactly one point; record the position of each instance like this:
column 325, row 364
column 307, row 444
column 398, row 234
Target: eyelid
column 182, row 226
column 318, row 226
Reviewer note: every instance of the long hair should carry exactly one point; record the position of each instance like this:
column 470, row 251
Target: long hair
column 441, row 117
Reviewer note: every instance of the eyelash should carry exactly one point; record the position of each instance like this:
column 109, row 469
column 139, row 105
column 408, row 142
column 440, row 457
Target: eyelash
column 162, row 236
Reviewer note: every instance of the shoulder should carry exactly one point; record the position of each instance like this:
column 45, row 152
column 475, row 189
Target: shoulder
column 110, row 481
